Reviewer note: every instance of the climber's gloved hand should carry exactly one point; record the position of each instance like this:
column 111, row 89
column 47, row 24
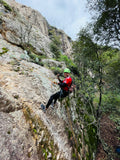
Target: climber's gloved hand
column 58, row 75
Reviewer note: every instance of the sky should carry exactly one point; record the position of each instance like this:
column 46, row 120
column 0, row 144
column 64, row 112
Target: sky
column 67, row 15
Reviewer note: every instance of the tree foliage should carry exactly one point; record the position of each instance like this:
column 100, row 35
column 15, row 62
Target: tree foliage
column 55, row 45
column 98, row 83
column 99, row 74
column 107, row 20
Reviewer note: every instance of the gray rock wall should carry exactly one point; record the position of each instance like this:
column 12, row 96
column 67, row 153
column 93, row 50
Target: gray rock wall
column 26, row 131
column 25, row 25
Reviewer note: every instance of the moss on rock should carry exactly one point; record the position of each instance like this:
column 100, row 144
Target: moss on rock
column 44, row 141
column 7, row 7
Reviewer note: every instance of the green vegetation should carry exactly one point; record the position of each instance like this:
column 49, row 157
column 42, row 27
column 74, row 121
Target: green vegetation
column 97, row 76
column 55, row 49
column 96, row 72
column 69, row 63
column 106, row 21
column 0, row 20
column 38, row 130
column 28, row 47
column 55, row 45
column 4, row 50
column 56, row 70
column 98, row 93
column 33, row 54
column 36, row 58
column 7, row 7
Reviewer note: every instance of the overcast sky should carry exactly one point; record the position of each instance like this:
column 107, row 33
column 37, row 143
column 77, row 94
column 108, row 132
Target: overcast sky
column 68, row 15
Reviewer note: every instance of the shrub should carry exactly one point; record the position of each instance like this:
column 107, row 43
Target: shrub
column 36, row 59
column 55, row 45
column 7, row 7
column 55, row 49
column 56, row 70
column 70, row 64
column 111, row 102
column 4, row 50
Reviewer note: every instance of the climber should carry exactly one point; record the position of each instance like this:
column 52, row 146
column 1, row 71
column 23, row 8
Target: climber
column 64, row 85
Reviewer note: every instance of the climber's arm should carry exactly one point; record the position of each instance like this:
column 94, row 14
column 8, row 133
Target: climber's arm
column 62, row 84
column 58, row 77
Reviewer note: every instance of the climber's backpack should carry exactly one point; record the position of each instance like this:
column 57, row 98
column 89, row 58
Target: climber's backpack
column 72, row 88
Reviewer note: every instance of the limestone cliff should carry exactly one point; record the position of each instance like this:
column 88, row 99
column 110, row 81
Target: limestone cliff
column 26, row 132
column 22, row 25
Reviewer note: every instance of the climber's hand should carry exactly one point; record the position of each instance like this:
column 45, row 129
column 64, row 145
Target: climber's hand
column 58, row 76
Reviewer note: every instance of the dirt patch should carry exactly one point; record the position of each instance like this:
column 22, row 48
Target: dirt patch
column 110, row 136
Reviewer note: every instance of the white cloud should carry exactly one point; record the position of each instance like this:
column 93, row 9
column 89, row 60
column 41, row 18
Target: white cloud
column 68, row 15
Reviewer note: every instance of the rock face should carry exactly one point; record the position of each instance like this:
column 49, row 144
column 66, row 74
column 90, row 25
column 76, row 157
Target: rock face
column 53, row 63
column 66, row 42
column 27, row 132
column 16, row 141
column 22, row 25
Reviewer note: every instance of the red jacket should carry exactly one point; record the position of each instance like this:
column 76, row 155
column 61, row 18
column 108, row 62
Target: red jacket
column 66, row 83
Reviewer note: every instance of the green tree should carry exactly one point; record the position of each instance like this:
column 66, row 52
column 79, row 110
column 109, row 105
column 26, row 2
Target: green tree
column 86, row 55
column 106, row 20
column 98, row 65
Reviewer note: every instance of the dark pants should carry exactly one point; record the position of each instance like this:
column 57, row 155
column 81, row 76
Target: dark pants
column 57, row 95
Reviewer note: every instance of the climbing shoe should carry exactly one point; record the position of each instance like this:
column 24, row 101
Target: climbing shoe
column 43, row 107
column 52, row 105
